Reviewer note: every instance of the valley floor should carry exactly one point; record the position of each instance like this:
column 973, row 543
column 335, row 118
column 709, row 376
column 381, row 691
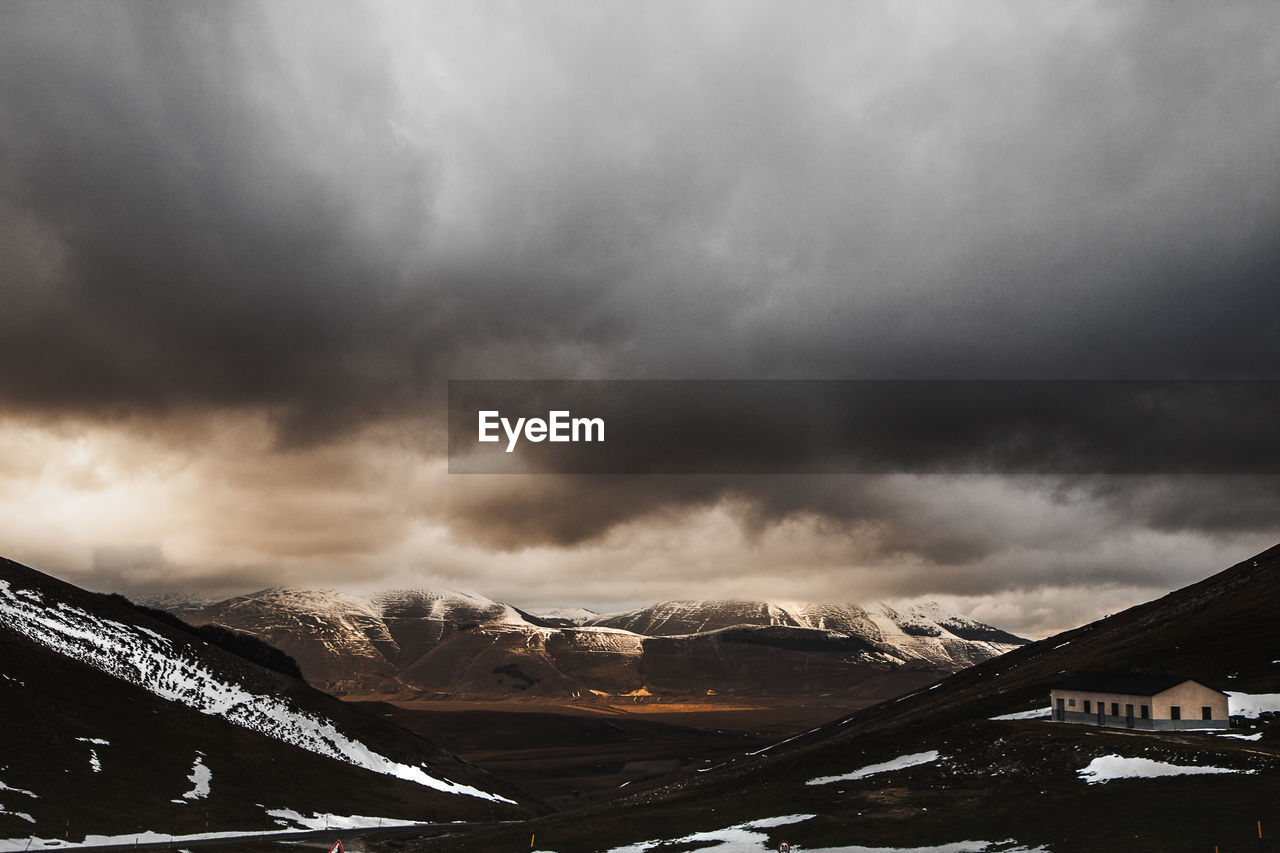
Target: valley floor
column 576, row 755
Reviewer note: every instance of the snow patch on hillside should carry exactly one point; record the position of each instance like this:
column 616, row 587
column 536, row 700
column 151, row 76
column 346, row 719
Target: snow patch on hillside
column 902, row 762
column 94, row 763
column 147, row 836
column 1251, row 704
column 1110, row 767
column 23, row 815
column 4, row 787
column 152, row 662
column 742, row 836
column 200, row 777
column 332, row 821
column 752, row 836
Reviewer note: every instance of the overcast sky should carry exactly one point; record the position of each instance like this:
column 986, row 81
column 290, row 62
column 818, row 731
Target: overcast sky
column 244, row 245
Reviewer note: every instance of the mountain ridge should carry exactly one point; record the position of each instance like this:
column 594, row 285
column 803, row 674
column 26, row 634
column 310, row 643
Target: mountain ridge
column 448, row 645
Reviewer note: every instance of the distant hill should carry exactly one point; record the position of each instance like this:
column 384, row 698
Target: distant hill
column 121, row 724
column 456, row 645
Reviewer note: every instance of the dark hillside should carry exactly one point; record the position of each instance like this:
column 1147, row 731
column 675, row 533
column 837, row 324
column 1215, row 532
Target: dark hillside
column 998, row 780
column 181, row 736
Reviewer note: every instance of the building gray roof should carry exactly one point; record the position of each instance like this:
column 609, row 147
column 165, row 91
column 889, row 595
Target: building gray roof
column 1121, row 682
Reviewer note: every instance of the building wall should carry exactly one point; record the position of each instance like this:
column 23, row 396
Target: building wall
column 1121, row 699
column 1122, row 722
column 1190, row 697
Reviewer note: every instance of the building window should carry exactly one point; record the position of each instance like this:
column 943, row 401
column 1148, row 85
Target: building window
column 1175, row 712
column 1206, row 713
column 1146, row 713
column 1115, row 709
column 1128, row 711
column 1086, row 706
column 1071, row 703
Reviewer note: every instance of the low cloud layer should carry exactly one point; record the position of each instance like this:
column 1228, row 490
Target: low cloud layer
column 243, row 245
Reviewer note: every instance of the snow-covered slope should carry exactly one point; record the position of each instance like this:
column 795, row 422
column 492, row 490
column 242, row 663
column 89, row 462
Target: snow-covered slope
column 157, row 664
column 121, row 722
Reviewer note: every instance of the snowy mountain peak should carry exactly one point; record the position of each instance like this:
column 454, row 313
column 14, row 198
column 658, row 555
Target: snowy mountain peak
column 574, row 615
column 920, row 633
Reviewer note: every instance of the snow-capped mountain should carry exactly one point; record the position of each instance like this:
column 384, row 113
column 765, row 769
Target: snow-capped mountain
column 123, row 721
column 347, row 643
column 914, row 634
column 460, row 644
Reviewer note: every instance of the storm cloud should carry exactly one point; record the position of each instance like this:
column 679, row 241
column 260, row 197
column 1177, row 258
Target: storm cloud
column 254, row 240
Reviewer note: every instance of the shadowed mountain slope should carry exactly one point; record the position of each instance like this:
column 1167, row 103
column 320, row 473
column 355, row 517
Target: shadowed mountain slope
column 121, row 724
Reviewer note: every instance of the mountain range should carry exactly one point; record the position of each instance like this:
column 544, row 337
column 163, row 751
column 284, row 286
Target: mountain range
column 428, row 644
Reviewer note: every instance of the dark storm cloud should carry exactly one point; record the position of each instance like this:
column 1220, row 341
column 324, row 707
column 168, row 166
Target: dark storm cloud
column 325, row 212
column 1215, row 505
column 205, row 255
column 239, row 219
column 194, row 217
